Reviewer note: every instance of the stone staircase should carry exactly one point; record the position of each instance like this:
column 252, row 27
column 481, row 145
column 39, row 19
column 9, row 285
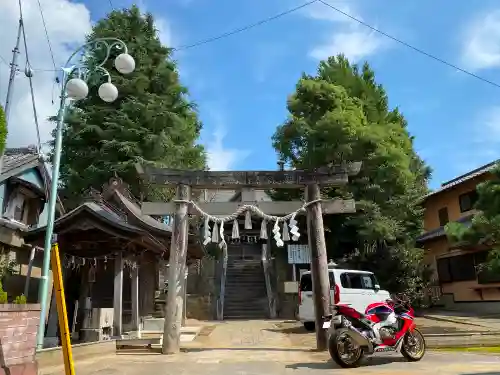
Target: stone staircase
column 245, row 296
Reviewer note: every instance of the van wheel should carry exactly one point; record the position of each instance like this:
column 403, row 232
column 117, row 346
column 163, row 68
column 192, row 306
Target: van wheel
column 309, row 326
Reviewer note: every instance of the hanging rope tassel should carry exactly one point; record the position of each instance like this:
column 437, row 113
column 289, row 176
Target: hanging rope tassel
column 221, row 234
column 208, row 235
column 286, row 235
column 248, row 220
column 236, row 230
column 294, row 229
column 263, row 230
column 277, row 235
column 215, row 233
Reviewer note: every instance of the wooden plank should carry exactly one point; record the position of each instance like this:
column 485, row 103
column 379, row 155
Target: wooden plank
column 336, row 206
column 334, row 176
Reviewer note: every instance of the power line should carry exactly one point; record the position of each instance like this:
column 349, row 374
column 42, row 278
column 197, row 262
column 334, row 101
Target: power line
column 47, row 35
column 233, row 32
column 244, row 28
column 29, row 73
column 292, row 10
column 4, row 60
column 111, row 4
column 416, row 49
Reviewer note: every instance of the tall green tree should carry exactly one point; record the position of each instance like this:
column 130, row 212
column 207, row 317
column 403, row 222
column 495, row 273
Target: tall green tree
column 485, row 226
column 152, row 121
column 342, row 114
column 3, row 130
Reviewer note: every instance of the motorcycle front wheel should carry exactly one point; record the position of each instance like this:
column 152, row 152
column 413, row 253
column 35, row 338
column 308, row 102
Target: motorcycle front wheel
column 344, row 350
column 413, row 348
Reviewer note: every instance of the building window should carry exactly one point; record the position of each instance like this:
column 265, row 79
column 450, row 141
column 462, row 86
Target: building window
column 466, row 268
column 467, row 201
column 443, row 216
column 457, row 268
column 485, row 276
column 16, row 207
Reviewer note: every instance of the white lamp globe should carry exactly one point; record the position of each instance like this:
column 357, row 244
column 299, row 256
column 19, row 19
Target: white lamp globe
column 125, row 63
column 108, row 92
column 77, row 89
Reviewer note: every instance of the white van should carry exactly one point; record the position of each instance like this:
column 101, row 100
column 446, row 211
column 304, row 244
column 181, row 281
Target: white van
column 356, row 288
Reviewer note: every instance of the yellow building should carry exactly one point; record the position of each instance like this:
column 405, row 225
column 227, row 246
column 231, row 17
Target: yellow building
column 461, row 285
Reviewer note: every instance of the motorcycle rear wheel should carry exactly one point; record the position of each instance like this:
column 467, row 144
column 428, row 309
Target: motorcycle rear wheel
column 408, row 349
column 335, row 341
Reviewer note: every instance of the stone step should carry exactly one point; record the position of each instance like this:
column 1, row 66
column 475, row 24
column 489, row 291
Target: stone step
column 245, row 316
column 247, row 280
column 237, row 292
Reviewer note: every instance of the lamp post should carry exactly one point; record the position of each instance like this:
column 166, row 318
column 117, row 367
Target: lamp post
column 74, row 87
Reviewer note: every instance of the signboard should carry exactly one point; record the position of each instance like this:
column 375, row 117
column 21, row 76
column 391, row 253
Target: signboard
column 299, row 254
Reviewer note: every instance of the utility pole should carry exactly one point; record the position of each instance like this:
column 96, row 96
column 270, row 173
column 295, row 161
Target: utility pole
column 319, row 263
column 10, row 88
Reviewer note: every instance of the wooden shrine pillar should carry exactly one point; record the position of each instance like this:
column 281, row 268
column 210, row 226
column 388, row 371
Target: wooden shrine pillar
column 118, row 295
column 148, row 272
column 176, row 273
column 134, row 288
column 319, row 263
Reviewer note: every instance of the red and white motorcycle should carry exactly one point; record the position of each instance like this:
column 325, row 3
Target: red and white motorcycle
column 384, row 327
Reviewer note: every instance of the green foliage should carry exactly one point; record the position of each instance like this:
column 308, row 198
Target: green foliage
column 3, row 295
column 20, row 300
column 485, row 226
column 339, row 115
column 3, row 130
column 152, row 121
column 7, row 265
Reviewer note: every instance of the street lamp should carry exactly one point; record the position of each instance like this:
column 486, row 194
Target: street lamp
column 74, row 87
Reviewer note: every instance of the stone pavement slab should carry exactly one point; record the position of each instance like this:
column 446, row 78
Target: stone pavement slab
column 490, row 323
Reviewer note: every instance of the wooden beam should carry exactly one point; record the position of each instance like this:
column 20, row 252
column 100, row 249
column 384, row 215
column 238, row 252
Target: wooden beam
column 332, row 176
column 336, row 206
column 134, row 280
column 176, row 274
column 118, row 295
column 319, row 264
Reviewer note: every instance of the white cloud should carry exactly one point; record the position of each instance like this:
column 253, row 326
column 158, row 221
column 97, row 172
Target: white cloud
column 162, row 25
column 345, row 35
column 164, row 31
column 319, row 11
column 355, row 44
column 219, row 157
column 481, row 43
column 67, row 25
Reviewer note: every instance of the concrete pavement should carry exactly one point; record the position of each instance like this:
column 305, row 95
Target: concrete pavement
column 245, row 363
column 260, row 347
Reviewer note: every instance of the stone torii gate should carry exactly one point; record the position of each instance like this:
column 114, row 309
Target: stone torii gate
column 182, row 206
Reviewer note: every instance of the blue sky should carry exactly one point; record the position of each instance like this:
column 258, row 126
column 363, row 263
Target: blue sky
column 241, row 82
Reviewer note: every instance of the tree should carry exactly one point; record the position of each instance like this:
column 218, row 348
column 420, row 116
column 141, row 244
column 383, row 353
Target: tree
column 341, row 114
column 3, row 130
column 485, row 226
column 151, row 122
